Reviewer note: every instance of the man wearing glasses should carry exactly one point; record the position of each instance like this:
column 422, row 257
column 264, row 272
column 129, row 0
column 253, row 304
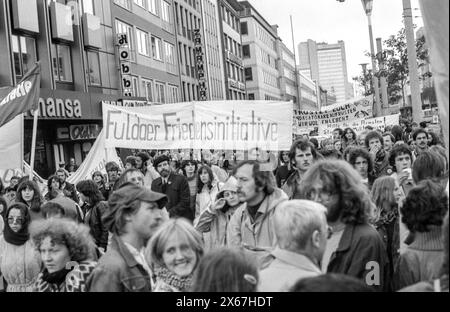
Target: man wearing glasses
column 355, row 248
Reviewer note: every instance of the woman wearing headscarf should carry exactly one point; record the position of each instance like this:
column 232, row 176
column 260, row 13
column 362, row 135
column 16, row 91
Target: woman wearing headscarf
column 19, row 262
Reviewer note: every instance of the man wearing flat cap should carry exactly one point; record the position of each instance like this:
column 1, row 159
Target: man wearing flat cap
column 134, row 215
column 176, row 188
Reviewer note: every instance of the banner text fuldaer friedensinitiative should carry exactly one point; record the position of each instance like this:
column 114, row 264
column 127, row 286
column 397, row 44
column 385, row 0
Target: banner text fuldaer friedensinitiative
column 173, row 129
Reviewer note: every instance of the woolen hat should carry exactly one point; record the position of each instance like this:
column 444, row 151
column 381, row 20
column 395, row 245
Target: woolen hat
column 160, row 159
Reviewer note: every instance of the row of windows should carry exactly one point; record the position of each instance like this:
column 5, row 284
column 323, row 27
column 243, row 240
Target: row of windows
column 232, row 45
column 229, row 18
column 236, row 95
column 190, row 92
column 235, row 72
column 155, row 91
column 265, row 37
column 270, row 79
column 147, row 45
column 288, row 58
column 25, row 55
column 267, row 58
column 186, row 22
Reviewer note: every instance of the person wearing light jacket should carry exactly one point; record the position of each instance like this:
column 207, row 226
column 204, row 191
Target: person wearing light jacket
column 216, row 217
column 251, row 225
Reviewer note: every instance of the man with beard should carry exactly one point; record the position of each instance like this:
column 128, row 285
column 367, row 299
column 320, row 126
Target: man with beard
column 176, row 188
column 68, row 188
column 355, row 248
column 134, row 215
column 302, row 155
column 251, row 225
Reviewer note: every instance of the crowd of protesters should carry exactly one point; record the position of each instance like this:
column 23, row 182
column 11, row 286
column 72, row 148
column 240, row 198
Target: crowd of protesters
column 353, row 212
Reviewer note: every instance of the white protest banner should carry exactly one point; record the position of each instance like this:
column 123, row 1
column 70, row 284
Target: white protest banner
column 339, row 115
column 96, row 159
column 378, row 122
column 11, row 153
column 201, row 125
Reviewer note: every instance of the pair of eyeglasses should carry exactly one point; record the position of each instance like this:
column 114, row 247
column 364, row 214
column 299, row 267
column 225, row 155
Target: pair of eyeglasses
column 12, row 220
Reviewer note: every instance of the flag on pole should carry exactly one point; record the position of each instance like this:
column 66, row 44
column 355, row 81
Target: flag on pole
column 22, row 97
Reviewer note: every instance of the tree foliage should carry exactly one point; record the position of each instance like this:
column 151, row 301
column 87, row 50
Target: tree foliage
column 395, row 60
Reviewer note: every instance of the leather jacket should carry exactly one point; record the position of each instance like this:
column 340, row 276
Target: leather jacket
column 118, row 271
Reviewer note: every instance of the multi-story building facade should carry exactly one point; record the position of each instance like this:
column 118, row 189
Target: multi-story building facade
column 76, row 44
column 287, row 72
column 308, row 93
column 260, row 54
column 327, row 64
column 213, row 50
column 232, row 49
column 188, row 22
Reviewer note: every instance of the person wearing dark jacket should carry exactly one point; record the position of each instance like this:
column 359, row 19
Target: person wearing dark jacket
column 134, row 215
column 355, row 248
column 374, row 143
column 175, row 187
column 93, row 209
column 68, row 188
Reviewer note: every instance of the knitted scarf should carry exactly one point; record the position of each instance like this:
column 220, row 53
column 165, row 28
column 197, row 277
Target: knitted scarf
column 170, row 278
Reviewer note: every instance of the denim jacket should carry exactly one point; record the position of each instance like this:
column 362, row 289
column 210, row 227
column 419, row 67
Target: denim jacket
column 118, row 271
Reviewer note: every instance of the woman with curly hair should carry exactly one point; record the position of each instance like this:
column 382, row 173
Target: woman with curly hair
column 387, row 196
column 19, row 263
column 207, row 189
column 354, row 242
column 423, row 213
column 29, row 194
column 67, row 252
column 174, row 252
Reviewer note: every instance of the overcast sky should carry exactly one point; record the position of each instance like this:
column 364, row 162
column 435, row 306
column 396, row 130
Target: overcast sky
column 330, row 21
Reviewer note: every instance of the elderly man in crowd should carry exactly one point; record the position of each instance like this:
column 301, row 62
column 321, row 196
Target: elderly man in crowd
column 134, row 215
column 251, row 225
column 302, row 231
column 355, row 247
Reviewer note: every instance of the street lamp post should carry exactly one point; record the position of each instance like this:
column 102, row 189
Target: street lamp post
column 364, row 69
column 367, row 4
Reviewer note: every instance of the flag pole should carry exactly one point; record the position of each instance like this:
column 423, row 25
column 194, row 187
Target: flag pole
column 33, row 142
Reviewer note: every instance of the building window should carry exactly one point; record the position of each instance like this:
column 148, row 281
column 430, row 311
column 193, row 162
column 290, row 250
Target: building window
column 251, row 96
column 147, row 89
column 124, row 3
column 156, row 48
column 169, row 53
column 159, row 94
column 246, row 50
column 142, row 42
column 152, row 6
column 244, row 28
column 141, row 3
column 124, row 28
column 24, row 50
column 134, row 85
column 62, row 63
column 165, row 11
column 248, row 74
column 94, row 68
column 172, row 94
column 88, row 6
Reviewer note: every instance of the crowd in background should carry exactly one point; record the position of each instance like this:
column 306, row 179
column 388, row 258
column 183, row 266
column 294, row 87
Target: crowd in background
column 366, row 212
